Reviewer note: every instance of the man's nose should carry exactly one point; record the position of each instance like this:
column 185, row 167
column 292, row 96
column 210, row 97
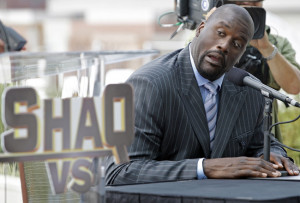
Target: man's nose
column 224, row 46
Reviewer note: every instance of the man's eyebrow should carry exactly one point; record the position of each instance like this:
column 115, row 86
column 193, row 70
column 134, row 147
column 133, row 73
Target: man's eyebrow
column 243, row 35
column 244, row 38
column 224, row 24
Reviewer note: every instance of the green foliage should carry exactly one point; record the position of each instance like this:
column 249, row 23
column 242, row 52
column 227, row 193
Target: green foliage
column 11, row 169
column 291, row 131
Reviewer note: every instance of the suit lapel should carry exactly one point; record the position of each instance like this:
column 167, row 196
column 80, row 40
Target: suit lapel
column 192, row 100
column 231, row 101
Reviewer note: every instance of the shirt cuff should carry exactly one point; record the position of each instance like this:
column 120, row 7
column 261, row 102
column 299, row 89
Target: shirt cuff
column 200, row 171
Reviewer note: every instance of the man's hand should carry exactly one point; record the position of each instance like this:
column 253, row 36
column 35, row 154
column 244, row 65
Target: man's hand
column 285, row 74
column 263, row 45
column 284, row 163
column 240, row 167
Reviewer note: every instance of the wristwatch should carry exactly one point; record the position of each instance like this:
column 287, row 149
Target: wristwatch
column 275, row 50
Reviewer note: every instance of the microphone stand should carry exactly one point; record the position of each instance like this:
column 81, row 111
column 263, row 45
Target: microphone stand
column 267, row 134
column 267, row 124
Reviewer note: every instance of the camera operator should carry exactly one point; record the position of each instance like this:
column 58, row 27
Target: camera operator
column 272, row 60
column 10, row 40
column 2, row 47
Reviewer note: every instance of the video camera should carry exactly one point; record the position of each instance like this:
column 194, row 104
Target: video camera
column 190, row 13
column 13, row 41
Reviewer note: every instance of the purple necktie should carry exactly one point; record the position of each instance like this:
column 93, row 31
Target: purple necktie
column 210, row 105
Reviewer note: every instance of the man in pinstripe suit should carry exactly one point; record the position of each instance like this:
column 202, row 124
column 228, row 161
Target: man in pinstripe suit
column 172, row 140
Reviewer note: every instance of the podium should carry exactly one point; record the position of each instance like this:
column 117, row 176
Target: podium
column 18, row 68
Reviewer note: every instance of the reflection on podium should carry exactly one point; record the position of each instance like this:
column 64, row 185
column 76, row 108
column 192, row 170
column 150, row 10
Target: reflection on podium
column 97, row 124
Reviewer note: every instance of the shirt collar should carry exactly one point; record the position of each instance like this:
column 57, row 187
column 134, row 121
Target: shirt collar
column 201, row 80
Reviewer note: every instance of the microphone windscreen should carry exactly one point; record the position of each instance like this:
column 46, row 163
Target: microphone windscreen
column 236, row 76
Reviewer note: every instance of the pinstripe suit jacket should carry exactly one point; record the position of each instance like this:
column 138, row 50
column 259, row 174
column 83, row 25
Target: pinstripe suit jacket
column 171, row 131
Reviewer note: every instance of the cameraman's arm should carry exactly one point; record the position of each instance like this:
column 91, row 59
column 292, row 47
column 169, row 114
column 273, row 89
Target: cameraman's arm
column 284, row 73
column 210, row 12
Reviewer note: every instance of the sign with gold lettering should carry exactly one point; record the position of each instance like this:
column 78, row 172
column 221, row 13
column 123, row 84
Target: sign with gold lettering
column 68, row 131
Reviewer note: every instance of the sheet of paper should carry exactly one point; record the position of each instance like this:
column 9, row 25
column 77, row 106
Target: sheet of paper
column 290, row 178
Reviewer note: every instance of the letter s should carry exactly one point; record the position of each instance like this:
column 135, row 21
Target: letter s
column 14, row 118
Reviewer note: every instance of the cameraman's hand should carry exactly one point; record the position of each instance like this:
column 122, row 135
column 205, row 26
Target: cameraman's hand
column 263, row 45
column 284, row 163
column 239, row 167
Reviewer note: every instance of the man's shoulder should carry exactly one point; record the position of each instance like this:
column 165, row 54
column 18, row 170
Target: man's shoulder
column 159, row 67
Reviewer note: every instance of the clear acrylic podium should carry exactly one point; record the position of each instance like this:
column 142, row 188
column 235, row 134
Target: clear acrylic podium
column 18, row 68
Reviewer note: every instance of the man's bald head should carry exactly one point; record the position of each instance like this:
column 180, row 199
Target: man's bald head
column 235, row 12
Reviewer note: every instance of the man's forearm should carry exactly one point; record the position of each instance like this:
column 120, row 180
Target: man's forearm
column 285, row 74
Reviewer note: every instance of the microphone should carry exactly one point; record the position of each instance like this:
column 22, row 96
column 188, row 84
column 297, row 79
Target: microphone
column 243, row 78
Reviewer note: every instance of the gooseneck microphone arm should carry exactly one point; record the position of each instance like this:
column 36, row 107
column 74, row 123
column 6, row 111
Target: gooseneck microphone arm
column 243, row 78
column 269, row 92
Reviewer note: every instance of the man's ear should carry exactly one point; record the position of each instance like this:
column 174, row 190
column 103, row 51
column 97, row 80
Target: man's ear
column 199, row 28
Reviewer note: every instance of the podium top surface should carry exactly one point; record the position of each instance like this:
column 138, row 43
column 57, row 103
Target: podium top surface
column 210, row 190
column 15, row 66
